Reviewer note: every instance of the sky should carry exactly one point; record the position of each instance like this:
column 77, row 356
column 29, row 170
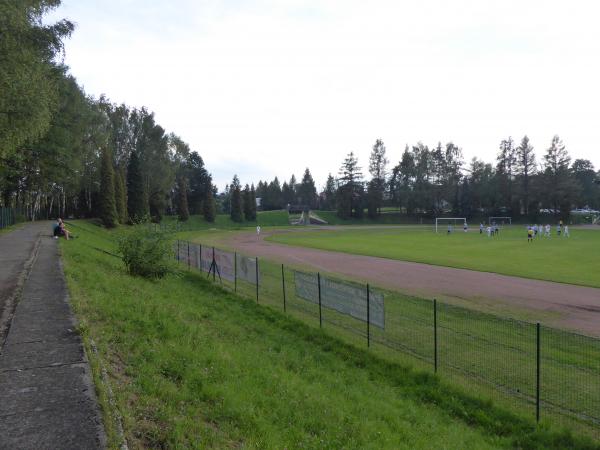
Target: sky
column 267, row 88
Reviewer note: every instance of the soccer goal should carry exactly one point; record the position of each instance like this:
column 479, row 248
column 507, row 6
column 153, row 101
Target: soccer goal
column 454, row 221
column 500, row 220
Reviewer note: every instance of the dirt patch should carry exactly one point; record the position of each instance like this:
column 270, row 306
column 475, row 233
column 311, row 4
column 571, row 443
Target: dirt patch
column 555, row 304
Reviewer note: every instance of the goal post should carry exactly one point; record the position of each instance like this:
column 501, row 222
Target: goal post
column 450, row 220
column 500, row 220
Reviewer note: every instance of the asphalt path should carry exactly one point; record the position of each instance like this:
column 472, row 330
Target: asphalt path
column 47, row 397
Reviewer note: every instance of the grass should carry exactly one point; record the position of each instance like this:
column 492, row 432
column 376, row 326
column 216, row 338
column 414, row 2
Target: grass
column 574, row 260
column 487, row 354
column 10, row 228
column 193, row 366
column 223, row 221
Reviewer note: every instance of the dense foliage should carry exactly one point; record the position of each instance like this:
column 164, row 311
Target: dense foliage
column 53, row 136
column 147, row 253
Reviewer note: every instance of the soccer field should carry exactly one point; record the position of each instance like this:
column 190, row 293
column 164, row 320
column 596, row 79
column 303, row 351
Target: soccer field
column 573, row 260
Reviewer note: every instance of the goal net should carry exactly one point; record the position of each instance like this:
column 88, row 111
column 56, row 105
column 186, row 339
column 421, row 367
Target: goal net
column 500, row 220
column 452, row 222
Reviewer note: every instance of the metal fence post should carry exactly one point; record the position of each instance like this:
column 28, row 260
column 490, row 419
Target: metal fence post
column 435, row 343
column 283, row 286
column 235, row 272
column 368, row 316
column 319, row 285
column 189, row 262
column 257, row 279
column 537, row 373
column 214, row 268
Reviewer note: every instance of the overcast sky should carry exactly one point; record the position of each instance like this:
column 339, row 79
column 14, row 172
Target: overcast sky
column 265, row 88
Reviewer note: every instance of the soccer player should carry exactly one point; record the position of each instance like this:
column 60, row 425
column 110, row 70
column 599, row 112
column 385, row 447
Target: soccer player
column 529, row 234
column 465, row 227
column 496, row 229
column 449, row 229
column 481, row 228
column 489, row 231
column 547, row 230
column 258, row 231
column 558, row 228
column 566, row 231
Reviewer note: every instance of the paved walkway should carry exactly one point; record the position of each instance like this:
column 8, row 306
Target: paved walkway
column 47, row 398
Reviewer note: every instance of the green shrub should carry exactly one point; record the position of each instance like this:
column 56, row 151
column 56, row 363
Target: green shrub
column 147, row 253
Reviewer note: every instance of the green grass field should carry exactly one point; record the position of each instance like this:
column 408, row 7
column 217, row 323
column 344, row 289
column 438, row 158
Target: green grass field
column 574, row 260
column 192, row 366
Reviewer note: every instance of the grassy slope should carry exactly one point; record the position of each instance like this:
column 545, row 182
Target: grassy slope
column 223, row 221
column 574, row 260
column 491, row 356
column 193, row 366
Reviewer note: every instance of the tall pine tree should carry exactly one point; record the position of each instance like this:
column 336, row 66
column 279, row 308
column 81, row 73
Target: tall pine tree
column 120, row 197
column 107, row 210
column 182, row 200
column 137, row 202
column 237, row 212
column 209, row 208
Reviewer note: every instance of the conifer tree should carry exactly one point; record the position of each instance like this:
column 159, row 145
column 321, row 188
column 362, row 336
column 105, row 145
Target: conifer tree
column 252, row 200
column 120, row 197
column 137, row 202
column 182, row 200
column 250, row 203
column 237, row 213
column 209, row 208
column 107, row 210
column 247, row 203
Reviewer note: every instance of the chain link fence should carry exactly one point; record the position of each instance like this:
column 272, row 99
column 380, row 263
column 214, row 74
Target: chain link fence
column 548, row 374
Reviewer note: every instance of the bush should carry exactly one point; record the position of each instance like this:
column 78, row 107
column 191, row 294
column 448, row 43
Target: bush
column 147, row 253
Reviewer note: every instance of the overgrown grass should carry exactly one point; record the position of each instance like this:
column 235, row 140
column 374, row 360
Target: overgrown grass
column 193, row 366
column 573, row 260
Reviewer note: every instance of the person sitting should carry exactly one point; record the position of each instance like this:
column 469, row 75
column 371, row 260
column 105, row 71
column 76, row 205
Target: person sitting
column 56, row 229
column 63, row 230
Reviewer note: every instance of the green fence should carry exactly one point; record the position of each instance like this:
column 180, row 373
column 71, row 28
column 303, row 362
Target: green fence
column 544, row 373
column 8, row 217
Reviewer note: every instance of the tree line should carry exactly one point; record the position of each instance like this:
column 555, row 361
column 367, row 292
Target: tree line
column 437, row 180
column 64, row 153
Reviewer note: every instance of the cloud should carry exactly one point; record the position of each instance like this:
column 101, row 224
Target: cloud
column 265, row 88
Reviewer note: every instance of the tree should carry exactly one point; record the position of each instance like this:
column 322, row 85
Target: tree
column 108, row 210
column 307, row 192
column 209, row 208
column 182, row 197
column 249, row 203
column 28, row 75
column 329, row 193
column 351, row 179
column 237, row 212
column 377, row 169
column 584, row 173
column 506, row 161
column 137, row 201
column 120, row 197
column 401, row 182
column 560, row 186
column 287, row 194
column 525, row 169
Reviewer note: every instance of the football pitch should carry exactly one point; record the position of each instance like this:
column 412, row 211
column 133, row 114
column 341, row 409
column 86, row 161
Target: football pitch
column 572, row 260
